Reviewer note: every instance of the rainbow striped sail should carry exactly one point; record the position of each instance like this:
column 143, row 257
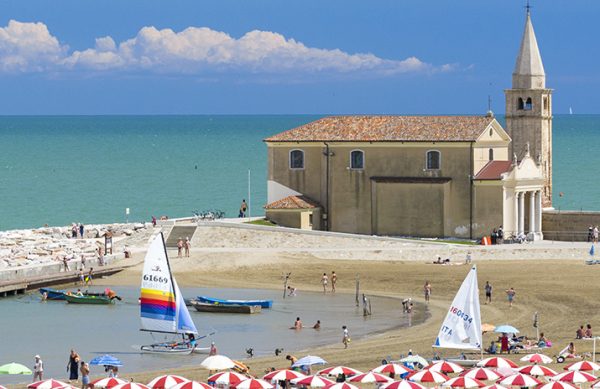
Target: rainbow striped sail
column 162, row 308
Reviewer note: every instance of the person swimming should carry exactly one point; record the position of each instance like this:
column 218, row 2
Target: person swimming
column 317, row 325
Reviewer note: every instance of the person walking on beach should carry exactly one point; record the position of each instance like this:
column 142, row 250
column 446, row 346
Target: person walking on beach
column 73, row 366
column 179, row 247
column 243, row 208
column 85, row 376
column 345, row 336
column 90, row 277
column 510, row 294
column 324, row 281
column 38, row 369
column 187, row 245
column 81, row 230
column 427, row 290
column 333, row 281
column 488, row 292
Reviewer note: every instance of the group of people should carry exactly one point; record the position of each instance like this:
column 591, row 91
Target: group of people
column 488, row 288
column 77, row 230
column 325, row 281
column 497, row 236
column 584, row 333
column 504, row 344
column 75, row 367
column 298, row 325
column 183, row 246
column 592, row 234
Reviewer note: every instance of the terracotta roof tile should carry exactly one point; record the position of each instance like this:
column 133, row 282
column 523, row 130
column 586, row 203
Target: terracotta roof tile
column 293, row 202
column 387, row 129
column 493, row 170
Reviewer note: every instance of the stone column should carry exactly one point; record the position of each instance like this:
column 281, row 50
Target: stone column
column 532, row 213
column 521, row 213
column 516, row 214
column 538, row 224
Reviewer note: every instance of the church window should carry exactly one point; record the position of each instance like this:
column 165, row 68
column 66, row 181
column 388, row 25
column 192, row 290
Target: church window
column 528, row 104
column 545, row 103
column 520, row 104
column 357, row 159
column 491, row 154
column 433, row 160
column 296, row 159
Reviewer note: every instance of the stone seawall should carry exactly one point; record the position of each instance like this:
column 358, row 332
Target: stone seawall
column 571, row 226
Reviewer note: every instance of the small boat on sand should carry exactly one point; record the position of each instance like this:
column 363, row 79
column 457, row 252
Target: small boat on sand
column 220, row 308
column 212, row 300
column 98, row 300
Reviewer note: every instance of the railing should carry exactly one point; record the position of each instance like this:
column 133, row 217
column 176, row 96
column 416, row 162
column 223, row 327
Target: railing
column 567, row 236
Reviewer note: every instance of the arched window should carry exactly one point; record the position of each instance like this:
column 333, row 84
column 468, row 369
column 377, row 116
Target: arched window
column 528, row 104
column 520, row 104
column 296, row 159
column 357, row 159
column 433, row 160
column 491, row 154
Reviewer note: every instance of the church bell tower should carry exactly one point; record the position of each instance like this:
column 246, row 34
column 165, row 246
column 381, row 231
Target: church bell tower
column 529, row 109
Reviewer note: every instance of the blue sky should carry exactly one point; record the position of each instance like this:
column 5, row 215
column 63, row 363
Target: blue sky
column 274, row 56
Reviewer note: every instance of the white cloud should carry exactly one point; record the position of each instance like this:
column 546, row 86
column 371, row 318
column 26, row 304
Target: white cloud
column 195, row 50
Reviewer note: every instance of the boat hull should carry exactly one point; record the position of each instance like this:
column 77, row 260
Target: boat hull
column 211, row 300
column 166, row 349
column 94, row 300
column 53, row 294
column 218, row 308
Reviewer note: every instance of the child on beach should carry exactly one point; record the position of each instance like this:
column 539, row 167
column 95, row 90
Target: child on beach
column 346, row 336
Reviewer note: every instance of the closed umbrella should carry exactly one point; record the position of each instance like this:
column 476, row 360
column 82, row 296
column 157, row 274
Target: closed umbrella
column 445, row 367
column 217, row 362
column 253, row 383
column 392, row 368
column 518, row 379
column 106, row 360
column 15, row 368
column 313, row 381
column 369, row 378
column 283, row 375
column 337, row 370
column 506, row 329
column 536, row 358
column 166, row 381
column 107, row 383
column 463, row 382
column 309, row 360
column 481, row 374
column 192, row 385
column 404, row 384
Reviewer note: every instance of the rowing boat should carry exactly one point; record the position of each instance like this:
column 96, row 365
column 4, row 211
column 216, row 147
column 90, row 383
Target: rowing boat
column 212, row 300
column 220, row 308
column 96, row 300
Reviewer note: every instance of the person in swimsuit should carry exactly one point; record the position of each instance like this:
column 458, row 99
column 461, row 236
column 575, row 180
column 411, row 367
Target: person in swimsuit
column 317, row 325
column 333, row 281
column 85, row 375
column 297, row 324
column 427, row 290
column 510, row 294
column 324, row 281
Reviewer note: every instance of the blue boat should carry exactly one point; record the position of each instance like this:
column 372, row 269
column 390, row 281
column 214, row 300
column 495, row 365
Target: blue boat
column 53, row 294
column 211, row 300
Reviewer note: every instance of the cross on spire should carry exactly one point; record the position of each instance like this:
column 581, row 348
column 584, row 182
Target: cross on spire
column 528, row 7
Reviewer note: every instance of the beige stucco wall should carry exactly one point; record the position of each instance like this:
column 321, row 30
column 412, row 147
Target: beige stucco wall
column 487, row 207
column 295, row 218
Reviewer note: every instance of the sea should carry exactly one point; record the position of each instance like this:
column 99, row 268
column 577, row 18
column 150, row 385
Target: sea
column 58, row 170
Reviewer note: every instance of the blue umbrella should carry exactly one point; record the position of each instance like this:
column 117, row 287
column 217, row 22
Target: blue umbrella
column 505, row 328
column 309, row 360
column 106, row 360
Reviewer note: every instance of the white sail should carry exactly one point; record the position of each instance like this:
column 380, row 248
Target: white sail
column 461, row 328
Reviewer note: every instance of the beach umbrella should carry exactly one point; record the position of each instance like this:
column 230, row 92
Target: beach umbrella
column 2, row 387
column 536, row 358
column 506, row 329
column 495, row 386
column 487, row 327
column 106, row 360
column 48, row 384
column 519, row 379
column 574, row 377
column 192, row 385
column 481, row 373
column 283, row 375
column 404, row 384
column 428, row 376
column 463, row 382
column 227, row 378
column 445, row 367
column 107, row 383
column 166, row 381
column 253, row 383
column 14, row 368
column 497, row 362
column 537, row 370
column 341, row 385
column 369, row 378
column 313, row 381
column 217, row 362
column 131, row 385
column 583, row 366
column 309, row 360
column 557, row 385
column 415, row 359
column 595, row 385
column 392, row 368
column 337, row 370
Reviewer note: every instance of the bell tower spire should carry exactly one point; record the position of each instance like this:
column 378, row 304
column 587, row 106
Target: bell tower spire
column 529, row 69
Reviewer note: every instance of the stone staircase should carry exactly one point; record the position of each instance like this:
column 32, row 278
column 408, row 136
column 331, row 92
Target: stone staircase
column 180, row 232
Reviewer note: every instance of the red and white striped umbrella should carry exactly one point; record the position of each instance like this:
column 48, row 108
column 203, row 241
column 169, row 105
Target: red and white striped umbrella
column 2, row 387
column 166, row 381
column 131, row 385
column 481, row 373
column 537, row 370
column 283, row 375
column 392, row 368
column 341, row 385
column 536, row 358
column 583, row 366
column 192, row 385
column 107, row 383
column 463, row 382
column 428, row 376
column 337, row 370
column 227, row 378
column 497, row 362
column 404, row 384
column 370, row 377
column 445, row 367
column 314, row 381
column 596, row 385
column 48, row 384
column 253, row 383
column 574, row 377
column 519, row 379
column 557, row 385
column 495, row 386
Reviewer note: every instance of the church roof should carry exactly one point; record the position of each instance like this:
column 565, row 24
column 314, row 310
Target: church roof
column 493, row 170
column 529, row 70
column 388, row 129
column 293, row 202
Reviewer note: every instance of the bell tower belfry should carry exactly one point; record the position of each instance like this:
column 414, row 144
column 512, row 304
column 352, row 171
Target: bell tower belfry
column 529, row 109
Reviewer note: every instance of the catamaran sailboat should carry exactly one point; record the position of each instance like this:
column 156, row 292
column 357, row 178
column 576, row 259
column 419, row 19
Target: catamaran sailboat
column 162, row 307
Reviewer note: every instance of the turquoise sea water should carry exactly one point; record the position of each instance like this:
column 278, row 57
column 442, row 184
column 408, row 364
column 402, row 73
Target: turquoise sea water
column 63, row 169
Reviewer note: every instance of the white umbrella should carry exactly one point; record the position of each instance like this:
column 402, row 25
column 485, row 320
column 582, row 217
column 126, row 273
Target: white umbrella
column 217, row 362
column 309, row 360
column 415, row 359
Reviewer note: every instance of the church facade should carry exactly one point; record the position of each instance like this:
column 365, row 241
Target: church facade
column 429, row 176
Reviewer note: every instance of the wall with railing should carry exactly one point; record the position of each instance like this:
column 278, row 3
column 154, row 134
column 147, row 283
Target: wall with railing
column 569, row 225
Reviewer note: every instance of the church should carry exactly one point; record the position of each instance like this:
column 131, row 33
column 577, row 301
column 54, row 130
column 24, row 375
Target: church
column 424, row 176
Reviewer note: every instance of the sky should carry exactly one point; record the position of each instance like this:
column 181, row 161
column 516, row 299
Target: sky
column 90, row 57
